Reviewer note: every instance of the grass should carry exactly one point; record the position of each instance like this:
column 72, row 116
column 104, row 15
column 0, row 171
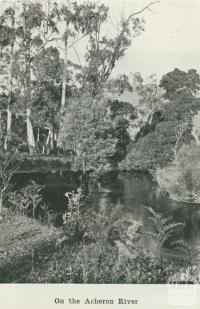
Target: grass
column 29, row 253
column 22, row 239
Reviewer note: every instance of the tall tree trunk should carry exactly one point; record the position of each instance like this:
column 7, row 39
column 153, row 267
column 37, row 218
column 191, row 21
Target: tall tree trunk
column 64, row 77
column 30, row 134
column 27, row 38
column 9, row 122
column 1, row 205
column 9, row 113
column 49, row 141
column 2, row 137
column 55, row 139
column 8, row 128
column 38, row 135
column 1, row 127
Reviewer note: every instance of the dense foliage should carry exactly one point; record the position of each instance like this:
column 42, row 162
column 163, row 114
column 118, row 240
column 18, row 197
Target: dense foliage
column 181, row 178
column 40, row 82
column 169, row 128
column 106, row 248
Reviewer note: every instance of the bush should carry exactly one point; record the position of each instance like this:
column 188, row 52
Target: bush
column 28, row 201
column 181, row 178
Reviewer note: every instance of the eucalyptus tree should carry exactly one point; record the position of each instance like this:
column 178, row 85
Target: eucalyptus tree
column 151, row 97
column 104, row 51
column 47, row 70
column 34, row 26
column 78, row 21
column 79, row 129
column 36, row 30
column 7, row 45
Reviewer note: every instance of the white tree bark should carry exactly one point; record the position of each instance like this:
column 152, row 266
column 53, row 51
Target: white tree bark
column 9, row 121
column 30, row 134
column 9, row 113
column 8, row 128
column 64, row 77
column 1, row 205
column 27, row 46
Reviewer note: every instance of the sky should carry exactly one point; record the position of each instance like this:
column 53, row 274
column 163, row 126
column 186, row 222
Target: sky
column 171, row 38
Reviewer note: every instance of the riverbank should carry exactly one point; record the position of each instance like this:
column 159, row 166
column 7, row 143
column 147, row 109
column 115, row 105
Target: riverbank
column 23, row 242
column 110, row 251
column 33, row 253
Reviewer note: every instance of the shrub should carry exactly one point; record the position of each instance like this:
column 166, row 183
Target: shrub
column 181, row 178
column 28, row 200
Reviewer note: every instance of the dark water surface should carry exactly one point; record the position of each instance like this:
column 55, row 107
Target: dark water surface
column 132, row 190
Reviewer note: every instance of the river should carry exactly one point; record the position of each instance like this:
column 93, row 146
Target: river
column 133, row 190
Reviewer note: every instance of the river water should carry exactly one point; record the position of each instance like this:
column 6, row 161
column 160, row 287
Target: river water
column 133, row 190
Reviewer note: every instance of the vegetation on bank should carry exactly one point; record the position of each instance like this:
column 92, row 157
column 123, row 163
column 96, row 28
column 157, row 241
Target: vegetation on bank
column 89, row 247
column 22, row 240
column 181, row 178
column 170, row 126
column 93, row 248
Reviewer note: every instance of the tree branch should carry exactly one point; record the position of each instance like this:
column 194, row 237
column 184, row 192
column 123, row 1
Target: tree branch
column 112, row 63
column 77, row 56
column 70, row 46
column 57, row 39
column 147, row 7
column 43, row 45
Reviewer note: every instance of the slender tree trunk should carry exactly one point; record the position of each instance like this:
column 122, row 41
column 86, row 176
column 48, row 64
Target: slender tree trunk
column 55, row 140
column 30, row 134
column 1, row 205
column 1, row 128
column 9, row 122
column 48, row 138
column 8, row 128
column 49, row 141
column 9, row 113
column 64, row 77
column 2, row 133
column 38, row 135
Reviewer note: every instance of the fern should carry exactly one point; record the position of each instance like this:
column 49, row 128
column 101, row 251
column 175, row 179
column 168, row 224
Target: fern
column 28, row 199
column 164, row 227
column 191, row 254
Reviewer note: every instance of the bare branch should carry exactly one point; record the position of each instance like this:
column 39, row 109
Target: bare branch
column 147, row 7
column 43, row 45
column 70, row 46
column 57, row 39
column 77, row 55
column 112, row 63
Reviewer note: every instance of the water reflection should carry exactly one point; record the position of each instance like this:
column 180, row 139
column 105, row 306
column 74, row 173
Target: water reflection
column 132, row 190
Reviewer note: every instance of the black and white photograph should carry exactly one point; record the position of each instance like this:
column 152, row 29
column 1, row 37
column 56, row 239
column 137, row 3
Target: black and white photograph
column 100, row 142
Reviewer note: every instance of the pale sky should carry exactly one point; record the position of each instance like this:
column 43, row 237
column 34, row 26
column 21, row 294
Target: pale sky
column 171, row 38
